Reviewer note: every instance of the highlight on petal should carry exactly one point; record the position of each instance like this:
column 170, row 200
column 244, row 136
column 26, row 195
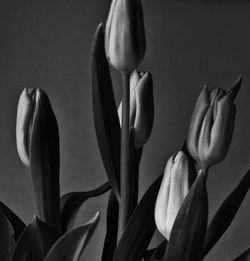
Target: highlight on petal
column 173, row 190
column 23, row 124
column 144, row 110
column 197, row 117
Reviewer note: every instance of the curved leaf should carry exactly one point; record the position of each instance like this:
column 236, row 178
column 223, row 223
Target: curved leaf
column 111, row 228
column 188, row 232
column 71, row 202
column 35, row 242
column 140, row 228
column 70, row 246
column 15, row 221
column 226, row 213
column 105, row 114
column 7, row 242
column 245, row 256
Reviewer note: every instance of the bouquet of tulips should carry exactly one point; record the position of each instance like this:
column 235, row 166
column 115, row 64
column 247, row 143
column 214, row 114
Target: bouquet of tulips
column 176, row 203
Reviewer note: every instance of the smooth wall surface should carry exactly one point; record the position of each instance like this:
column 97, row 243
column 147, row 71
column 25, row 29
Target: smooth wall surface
column 46, row 44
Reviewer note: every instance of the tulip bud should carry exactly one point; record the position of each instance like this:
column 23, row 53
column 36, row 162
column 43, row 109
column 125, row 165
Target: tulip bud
column 141, row 107
column 174, row 188
column 124, row 35
column 38, row 147
column 211, row 126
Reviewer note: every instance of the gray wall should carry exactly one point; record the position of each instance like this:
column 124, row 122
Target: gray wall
column 46, row 44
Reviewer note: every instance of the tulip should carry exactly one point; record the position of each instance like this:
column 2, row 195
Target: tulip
column 174, row 188
column 38, row 147
column 124, row 35
column 141, row 107
column 211, row 126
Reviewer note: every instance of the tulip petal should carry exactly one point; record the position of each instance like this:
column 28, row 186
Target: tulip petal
column 24, row 114
column 108, row 26
column 197, row 117
column 204, row 136
column 144, row 110
column 179, row 187
column 135, row 77
column 161, row 205
column 222, row 130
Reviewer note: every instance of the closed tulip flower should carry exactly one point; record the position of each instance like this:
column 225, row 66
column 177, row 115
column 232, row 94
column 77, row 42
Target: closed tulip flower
column 174, row 188
column 38, row 147
column 141, row 107
column 211, row 126
column 124, row 35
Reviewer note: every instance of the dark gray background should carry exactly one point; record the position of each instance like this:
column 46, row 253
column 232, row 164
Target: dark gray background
column 46, row 44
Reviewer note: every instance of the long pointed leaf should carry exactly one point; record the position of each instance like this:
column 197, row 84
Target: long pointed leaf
column 140, row 228
column 35, row 242
column 70, row 246
column 188, row 232
column 111, row 228
column 71, row 202
column 245, row 256
column 236, row 87
column 104, row 109
column 226, row 213
column 7, row 242
column 15, row 221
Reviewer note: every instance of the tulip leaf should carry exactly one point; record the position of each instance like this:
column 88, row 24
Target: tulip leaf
column 15, row 221
column 140, row 228
column 71, row 244
column 226, row 213
column 111, row 228
column 156, row 253
column 71, row 202
column 35, row 242
column 105, row 113
column 245, row 256
column 44, row 154
column 236, row 87
column 7, row 242
column 188, row 232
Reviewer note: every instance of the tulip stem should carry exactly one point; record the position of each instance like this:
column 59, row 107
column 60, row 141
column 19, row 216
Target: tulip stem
column 124, row 171
column 205, row 172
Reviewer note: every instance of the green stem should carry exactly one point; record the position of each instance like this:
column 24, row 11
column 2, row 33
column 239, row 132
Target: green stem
column 205, row 172
column 124, row 173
